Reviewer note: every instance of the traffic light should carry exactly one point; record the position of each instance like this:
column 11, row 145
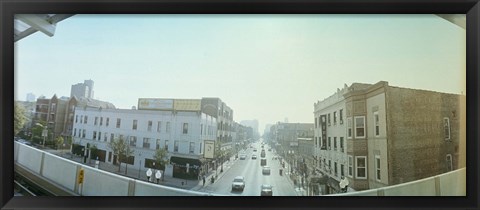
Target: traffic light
column 80, row 176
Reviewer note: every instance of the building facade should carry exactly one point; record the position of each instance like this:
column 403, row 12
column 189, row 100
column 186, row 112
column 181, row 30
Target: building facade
column 84, row 89
column 182, row 133
column 391, row 135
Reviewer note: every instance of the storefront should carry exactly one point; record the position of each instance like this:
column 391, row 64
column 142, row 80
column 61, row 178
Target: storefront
column 186, row 168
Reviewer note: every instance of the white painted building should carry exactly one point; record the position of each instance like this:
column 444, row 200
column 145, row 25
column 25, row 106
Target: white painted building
column 182, row 133
column 331, row 142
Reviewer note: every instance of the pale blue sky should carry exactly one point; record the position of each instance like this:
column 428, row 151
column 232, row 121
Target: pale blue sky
column 265, row 67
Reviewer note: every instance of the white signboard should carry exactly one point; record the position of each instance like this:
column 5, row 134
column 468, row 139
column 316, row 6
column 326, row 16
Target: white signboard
column 209, row 151
column 155, row 104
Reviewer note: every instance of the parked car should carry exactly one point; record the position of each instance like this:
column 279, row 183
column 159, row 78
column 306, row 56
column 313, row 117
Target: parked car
column 254, row 157
column 254, row 149
column 238, row 183
column 266, row 190
column 266, row 170
column 243, row 156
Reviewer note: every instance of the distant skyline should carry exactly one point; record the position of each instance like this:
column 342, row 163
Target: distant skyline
column 265, row 67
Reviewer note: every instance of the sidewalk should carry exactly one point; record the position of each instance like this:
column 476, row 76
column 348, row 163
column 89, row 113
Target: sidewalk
column 141, row 174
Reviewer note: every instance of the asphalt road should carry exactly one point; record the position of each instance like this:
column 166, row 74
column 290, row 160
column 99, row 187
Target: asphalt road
column 252, row 171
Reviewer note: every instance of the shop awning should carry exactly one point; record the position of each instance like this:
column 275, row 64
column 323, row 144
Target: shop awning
column 184, row 161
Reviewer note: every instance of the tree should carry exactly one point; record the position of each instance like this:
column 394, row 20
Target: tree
column 59, row 141
column 161, row 159
column 93, row 152
column 19, row 118
column 122, row 150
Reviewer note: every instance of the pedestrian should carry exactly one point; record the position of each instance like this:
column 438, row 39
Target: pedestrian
column 203, row 180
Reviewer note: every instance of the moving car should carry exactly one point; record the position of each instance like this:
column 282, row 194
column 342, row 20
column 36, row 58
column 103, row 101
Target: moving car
column 238, row 183
column 266, row 170
column 243, row 156
column 263, row 162
column 262, row 154
column 266, row 190
column 254, row 149
column 254, row 157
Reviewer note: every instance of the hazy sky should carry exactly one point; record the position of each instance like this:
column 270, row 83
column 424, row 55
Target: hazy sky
column 265, row 67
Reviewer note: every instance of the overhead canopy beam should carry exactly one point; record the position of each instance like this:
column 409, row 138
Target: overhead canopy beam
column 457, row 19
column 38, row 22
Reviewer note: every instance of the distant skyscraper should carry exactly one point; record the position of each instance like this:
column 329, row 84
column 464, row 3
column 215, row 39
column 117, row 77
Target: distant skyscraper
column 251, row 123
column 31, row 97
column 286, row 120
column 82, row 89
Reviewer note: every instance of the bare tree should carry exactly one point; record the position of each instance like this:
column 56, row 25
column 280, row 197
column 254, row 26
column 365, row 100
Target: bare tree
column 119, row 148
column 161, row 159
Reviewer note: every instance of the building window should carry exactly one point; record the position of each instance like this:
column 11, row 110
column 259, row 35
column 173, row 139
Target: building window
column 360, row 127
column 449, row 162
column 159, row 126
column 94, row 135
column 111, row 137
column 101, row 121
column 350, row 166
column 315, row 122
column 84, row 133
column 75, row 132
column 329, row 143
column 330, row 166
column 96, row 121
column 361, row 166
column 149, row 127
column 175, row 146
column 201, row 129
column 76, row 118
column 85, row 120
column 336, row 171
column 81, row 119
column 118, row 122
column 107, row 122
column 166, row 145
column 167, row 127
column 133, row 141
column 377, row 168
column 157, row 145
column 377, row 124
column 185, row 128
column 446, row 128
column 349, row 128
column 146, row 143
column 334, row 118
column 342, row 149
column 342, row 170
column 192, row 147
column 134, row 126
column 105, row 137
column 341, row 116
column 328, row 119
column 99, row 136
column 335, row 143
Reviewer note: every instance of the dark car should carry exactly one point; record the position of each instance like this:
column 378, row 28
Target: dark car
column 266, row 190
column 238, row 183
column 254, row 157
column 266, row 170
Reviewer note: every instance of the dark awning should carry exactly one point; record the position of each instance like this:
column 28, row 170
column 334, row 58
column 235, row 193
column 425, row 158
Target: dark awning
column 184, row 161
column 333, row 183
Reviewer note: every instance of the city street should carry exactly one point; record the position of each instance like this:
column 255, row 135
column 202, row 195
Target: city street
column 252, row 171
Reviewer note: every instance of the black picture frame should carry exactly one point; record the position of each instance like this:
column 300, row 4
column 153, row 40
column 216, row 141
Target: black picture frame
column 10, row 7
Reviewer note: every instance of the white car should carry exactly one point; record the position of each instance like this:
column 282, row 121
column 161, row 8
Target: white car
column 238, row 183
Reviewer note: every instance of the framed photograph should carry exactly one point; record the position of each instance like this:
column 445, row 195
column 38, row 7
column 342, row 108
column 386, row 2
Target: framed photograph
column 239, row 104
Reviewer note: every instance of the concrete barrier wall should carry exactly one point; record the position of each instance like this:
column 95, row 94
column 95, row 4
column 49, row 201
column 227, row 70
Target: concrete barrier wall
column 454, row 183
column 150, row 189
column 29, row 157
column 424, row 187
column 15, row 151
column 99, row 183
column 60, row 170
